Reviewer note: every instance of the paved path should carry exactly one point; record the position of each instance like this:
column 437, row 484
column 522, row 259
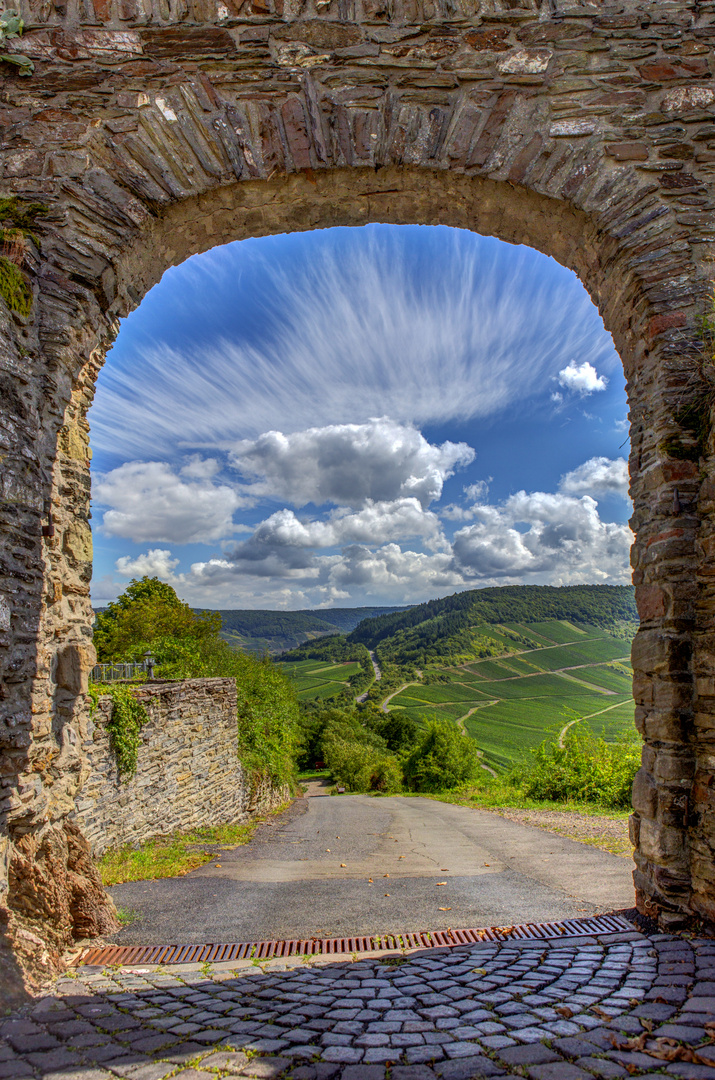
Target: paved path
column 541, row 1010
column 337, row 866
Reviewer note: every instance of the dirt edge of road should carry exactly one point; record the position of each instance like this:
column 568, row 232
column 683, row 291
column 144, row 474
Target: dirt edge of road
column 608, row 833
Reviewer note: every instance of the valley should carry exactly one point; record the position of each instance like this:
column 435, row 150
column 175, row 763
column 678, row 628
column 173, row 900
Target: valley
column 509, row 667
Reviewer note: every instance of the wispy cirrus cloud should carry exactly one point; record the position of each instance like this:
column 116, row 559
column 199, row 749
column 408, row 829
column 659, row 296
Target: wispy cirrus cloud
column 355, row 330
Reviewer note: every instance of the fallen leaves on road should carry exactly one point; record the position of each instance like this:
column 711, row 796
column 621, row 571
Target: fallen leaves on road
column 385, row 875
column 369, row 881
column 664, row 1049
column 601, row 1013
column 445, row 909
column 444, row 869
column 563, row 1010
column 440, row 882
column 479, row 971
column 387, row 894
column 343, row 864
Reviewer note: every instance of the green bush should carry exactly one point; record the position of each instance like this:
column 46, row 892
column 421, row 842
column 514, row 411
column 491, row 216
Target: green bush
column 584, row 768
column 127, row 719
column 357, row 757
column 443, row 758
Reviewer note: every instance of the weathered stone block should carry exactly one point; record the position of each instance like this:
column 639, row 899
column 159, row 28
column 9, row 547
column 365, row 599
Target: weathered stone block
column 77, row 541
column 74, row 663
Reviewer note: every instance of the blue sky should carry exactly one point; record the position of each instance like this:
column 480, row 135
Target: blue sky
column 351, row 416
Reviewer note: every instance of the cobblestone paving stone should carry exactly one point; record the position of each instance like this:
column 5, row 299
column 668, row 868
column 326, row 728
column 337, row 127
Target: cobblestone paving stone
column 543, row 1010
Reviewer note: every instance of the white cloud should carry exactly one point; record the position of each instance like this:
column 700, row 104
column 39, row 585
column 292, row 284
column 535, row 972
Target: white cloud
column 148, row 502
column 377, row 523
column 157, row 562
column 393, row 573
column 198, row 468
column 545, row 538
column 358, row 573
column 356, row 327
column 349, row 464
column 478, row 491
column 597, row 476
column 581, row 379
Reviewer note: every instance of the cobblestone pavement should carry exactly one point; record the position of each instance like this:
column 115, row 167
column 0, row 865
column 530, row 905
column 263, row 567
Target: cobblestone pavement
column 537, row 1009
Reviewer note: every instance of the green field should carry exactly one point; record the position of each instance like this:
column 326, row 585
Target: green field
column 555, row 673
column 319, row 678
column 509, row 705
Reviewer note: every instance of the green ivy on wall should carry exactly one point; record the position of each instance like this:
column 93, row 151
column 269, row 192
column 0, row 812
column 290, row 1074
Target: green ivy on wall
column 124, row 726
column 11, row 26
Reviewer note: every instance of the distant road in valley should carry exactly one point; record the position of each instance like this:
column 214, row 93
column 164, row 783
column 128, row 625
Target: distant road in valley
column 338, row 866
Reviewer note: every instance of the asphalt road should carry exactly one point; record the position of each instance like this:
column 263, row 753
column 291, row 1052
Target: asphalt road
column 290, row 881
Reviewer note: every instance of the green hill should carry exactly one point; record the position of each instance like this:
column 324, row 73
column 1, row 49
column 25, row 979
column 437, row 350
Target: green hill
column 488, row 622
column 276, row 631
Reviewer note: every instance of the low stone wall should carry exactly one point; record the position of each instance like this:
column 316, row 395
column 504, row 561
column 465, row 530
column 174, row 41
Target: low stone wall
column 188, row 773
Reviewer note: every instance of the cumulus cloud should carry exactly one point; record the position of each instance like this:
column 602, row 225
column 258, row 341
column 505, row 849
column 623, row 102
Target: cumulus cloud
column 543, row 537
column 357, row 573
column 581, row 379
column 283, row 545
column 198, row 468
column 597, row 476
column 157, row 562
column 353, row 323
column 349, row 464
column 148, row 502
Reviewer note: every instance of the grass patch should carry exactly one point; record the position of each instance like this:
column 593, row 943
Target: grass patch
column 173, row 855
column 127, row 915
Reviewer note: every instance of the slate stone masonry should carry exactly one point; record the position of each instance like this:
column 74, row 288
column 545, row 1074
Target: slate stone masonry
column 188, row 772
column 154, row 129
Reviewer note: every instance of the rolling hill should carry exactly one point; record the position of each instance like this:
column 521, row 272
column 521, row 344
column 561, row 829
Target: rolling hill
column 481, row 623
column 276, row 631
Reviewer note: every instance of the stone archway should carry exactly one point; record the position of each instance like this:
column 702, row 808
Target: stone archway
column 149, row 132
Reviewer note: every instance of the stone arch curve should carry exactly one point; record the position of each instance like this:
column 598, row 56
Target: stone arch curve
column 151, row 131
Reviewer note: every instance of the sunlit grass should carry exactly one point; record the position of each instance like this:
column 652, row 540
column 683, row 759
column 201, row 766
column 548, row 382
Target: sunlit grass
column 174, row 855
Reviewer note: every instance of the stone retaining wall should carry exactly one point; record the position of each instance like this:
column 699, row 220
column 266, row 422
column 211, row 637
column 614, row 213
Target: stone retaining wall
column 188, row 773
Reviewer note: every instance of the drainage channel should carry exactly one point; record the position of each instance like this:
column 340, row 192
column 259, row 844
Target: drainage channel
column 265, row 950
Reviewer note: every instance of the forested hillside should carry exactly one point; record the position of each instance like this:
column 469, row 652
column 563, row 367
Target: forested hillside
column 489, row 622
column 275, row 631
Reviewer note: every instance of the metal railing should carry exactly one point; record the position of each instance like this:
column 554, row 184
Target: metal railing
column 102, row 673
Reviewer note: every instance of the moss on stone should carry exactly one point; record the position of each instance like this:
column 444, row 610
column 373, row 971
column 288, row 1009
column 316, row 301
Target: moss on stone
column 17, row 215
column 14, row 287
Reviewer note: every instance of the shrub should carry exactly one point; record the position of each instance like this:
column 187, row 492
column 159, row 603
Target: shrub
column 443, row 758
column 358, row 758
column 585, row 768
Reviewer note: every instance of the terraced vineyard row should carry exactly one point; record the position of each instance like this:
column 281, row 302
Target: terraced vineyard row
column 319, row 678
column 509, row 705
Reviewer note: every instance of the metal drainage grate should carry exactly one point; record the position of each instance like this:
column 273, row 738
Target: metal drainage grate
column 265, row 950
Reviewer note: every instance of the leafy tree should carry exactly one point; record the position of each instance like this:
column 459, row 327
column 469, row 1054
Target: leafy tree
column 443, row 758
column 398, row 731
column 150, row 616
column 186, row 645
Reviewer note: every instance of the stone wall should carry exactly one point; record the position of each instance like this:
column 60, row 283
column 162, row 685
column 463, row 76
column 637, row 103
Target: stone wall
column 153, row 129
column 188, row 772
